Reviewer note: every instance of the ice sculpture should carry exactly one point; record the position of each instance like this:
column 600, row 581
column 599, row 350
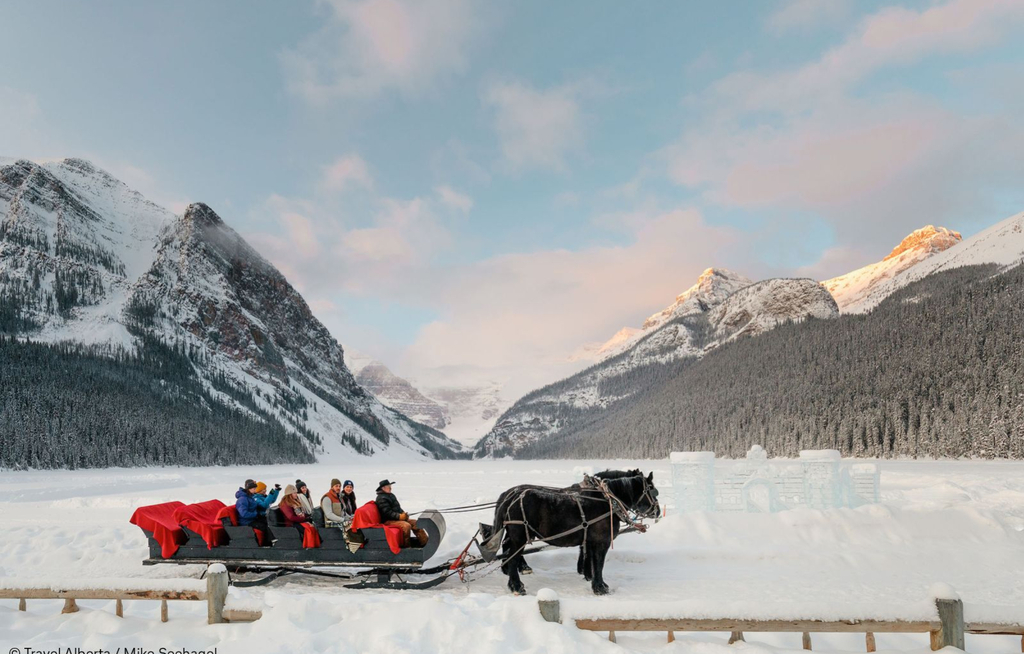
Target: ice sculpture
column 755, row 484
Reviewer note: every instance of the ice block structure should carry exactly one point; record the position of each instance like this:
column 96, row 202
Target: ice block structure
column 755, row 484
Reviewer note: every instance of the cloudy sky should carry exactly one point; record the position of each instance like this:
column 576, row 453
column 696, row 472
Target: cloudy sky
column 472, row 190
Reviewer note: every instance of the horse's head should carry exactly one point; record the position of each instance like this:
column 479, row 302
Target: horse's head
column 646, row 503
column 638, row 494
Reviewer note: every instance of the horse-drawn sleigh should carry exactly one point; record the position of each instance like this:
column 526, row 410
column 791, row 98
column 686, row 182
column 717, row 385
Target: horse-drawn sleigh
column 587, row 515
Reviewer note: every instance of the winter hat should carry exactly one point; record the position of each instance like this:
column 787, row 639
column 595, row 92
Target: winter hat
column 289, row 490
column 348, row 482
column 249, row 483
column 299, row 484
column 335, row 482
column 260, row 487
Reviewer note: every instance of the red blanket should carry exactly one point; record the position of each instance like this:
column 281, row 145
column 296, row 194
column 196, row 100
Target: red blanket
column 159, row 519
column 368, row 516
column 310, row 536
column 231, row 513
column 202, row 519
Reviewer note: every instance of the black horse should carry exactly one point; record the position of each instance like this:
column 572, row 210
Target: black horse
column 585, row 515
column 501, row 508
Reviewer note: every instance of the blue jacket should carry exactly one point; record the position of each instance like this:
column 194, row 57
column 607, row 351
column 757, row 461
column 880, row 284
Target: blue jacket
column 247, row 507
column 263, row 502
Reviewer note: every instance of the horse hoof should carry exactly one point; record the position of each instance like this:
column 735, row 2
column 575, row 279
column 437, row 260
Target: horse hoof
column 601, row 590
column 526, row 570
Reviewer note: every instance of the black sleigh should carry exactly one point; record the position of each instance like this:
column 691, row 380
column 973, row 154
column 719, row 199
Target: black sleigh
column 208, row 533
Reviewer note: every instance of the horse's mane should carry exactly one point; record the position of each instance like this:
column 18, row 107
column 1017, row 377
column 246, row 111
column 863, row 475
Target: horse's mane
column 623, row 487
column 618, row 474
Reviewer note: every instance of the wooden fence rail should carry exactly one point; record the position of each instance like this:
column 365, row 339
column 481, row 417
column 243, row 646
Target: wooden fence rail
column 948, row 629
column 215, row 595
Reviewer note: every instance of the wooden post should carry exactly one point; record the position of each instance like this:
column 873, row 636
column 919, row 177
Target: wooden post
column 119, row 608
column 807, row 640
column 736, row 636
column 611, row 637
column 869, row 641
column 70, row 606
column 951, row 619
column 217, row 593
column 22, row 605
column 671, row 636
column 163, row 610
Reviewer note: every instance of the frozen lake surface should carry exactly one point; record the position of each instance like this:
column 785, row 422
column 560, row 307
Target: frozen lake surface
column 959, row 523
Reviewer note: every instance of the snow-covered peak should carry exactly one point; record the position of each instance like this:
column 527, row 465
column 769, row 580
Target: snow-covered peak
column 930, row 250
column 712, row 287
column 929, row 239
column 859, row 290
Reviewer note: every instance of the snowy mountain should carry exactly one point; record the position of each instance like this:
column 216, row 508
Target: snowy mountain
column 940, row 249
column 722, row 306
column 399, row 394
column 862, row 289
column 464, row 412
column 87, row 261
column 471, row 410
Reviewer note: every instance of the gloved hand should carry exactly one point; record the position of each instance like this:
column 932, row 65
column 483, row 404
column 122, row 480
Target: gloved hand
column 403, row 516
column 277, row 486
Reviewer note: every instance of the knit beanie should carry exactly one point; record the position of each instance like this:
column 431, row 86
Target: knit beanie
column 348, row 482
column 335, row 482
column 260, row 487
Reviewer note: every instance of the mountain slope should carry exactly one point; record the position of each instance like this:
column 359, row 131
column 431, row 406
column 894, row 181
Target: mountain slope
column 400, row 395
column 705, row 319
column 862, row 287
column 85, row 260
column 937, row 369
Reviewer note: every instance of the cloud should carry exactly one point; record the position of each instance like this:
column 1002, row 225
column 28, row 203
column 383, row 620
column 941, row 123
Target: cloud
column 813, row 139
column 515, row 317
column 454, row 199
column 801, row 15
column 367, row 47
column 346, row 171
column 893, row 36
column 536, row 128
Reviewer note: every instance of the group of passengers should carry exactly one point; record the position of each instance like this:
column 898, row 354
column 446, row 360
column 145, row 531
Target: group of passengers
column 338, row 505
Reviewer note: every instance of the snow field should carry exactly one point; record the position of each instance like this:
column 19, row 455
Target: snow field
column 954, row 523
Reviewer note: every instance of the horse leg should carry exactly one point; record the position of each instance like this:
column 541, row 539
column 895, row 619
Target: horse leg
column 513, row 546
column 597, row 552
column 524, row 567
column 580, row 562
column 588, row 567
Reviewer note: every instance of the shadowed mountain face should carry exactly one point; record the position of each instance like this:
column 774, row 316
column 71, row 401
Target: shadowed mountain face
column 85, row 260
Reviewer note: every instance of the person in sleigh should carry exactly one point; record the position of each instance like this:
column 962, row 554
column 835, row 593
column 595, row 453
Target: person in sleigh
column 392, row 515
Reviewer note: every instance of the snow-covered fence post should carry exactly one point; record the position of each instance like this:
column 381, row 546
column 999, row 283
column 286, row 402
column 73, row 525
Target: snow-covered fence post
column 216, row 592
column 550, row 609
column 807, row 640
column 951, row 618
column 70, row 606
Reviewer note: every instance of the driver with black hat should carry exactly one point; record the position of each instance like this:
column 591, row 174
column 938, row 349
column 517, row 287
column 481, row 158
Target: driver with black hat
column 392, row 515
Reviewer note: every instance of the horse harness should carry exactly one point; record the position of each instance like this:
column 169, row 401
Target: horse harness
column 616, row 508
